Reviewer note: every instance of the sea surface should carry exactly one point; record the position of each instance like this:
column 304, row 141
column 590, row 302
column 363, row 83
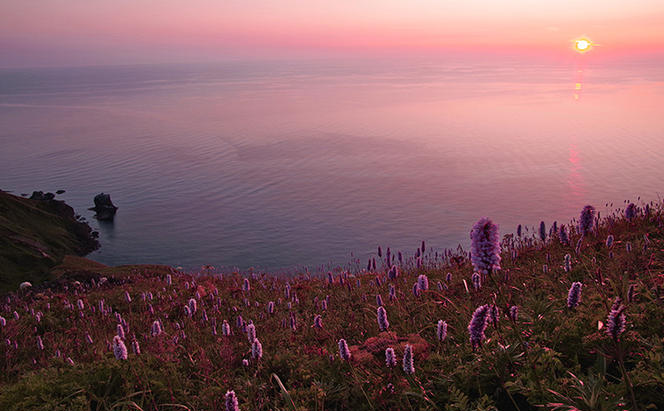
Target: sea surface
column 279, row 165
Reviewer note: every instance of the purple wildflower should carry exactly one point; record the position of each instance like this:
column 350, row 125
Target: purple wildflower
column 381, row 316
column 408, row 361
column 344, row 352
column 40, row 343
column 251, row 332
column 477, row 281
column 542, row 231
column 393, row 273
column 256, row 349
column 615, row 322
column 231, row 401
column 477, row 326
column 441, row 330
column 156, row 328
column 120, row 331
column 193, row 306
column 448, row 278
column 574, row 295
column 127, row 296
column 568, row 263
column 423, row 282
column 628, row 247
column 246, row 286
column 390, row 357
column 379, row 300
column 518, row 230
column 135, row 348
column 586, row 220
column 3, row 321
column 514, row 313
column 318, row 322
column 393, row 294
column 416, row 290
column 485, row 247
column 119, row 348
column 270, row 307
column 609, row 241
column 225, row 328
column 564, row 238
column 630, row 211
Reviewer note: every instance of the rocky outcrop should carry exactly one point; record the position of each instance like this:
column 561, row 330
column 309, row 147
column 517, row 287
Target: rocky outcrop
column 104, row 207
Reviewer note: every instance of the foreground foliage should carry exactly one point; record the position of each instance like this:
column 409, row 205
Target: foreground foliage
column 58, row 352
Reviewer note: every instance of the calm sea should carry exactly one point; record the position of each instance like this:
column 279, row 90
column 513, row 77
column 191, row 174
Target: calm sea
column 277, row 165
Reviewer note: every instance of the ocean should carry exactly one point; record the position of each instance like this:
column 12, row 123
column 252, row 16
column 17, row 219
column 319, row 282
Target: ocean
column 281, row 165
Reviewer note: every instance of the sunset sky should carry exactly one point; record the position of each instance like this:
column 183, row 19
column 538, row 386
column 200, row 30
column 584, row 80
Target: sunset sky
column 75, row 32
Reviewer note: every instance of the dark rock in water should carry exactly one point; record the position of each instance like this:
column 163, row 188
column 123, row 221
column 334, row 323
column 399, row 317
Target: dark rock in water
column 41, row 196
column 104, row 207
column 60, row 192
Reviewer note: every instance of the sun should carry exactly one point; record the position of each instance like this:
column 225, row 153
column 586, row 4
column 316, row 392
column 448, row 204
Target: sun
column 582, row 45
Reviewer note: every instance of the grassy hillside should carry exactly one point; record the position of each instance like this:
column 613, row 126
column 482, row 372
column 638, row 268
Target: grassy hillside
column 64, row 348
column 35, row 235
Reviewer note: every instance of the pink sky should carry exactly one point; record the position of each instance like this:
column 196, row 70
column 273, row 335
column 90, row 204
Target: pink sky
column 71, row 32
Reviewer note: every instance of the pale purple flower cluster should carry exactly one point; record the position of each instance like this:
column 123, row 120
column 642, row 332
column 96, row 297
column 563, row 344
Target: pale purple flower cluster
column 477, row 281
column 615, row 322
column 630, row 211
column 344, row 352
column 485, row 246
column 609, row 241
column 393, row 273
column 423, row 282
column 156, row 328
column 381, row 315
column 574, row 295
column 477, row 326
column 416, row 290
column 251, row 332
column 379, row 300
column 231, row 401
column 586, row 219
column 119, row 348
column 408, row 360
column 390, row 357
column 225, row 328
column 193, row 306
column 568, row 263
column 135, row 347
column 318, row 322
column 514, row 313
column 564, row 238
column 441, row 330
column 256, row 349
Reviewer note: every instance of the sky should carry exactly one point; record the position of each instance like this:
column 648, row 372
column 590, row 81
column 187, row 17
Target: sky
column 78, row 32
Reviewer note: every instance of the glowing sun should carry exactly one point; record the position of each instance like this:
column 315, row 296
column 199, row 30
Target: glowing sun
column 582, row 45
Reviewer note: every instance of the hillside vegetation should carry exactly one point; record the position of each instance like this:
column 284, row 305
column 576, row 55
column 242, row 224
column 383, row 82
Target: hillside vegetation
column 35, row 235
column 423, row 331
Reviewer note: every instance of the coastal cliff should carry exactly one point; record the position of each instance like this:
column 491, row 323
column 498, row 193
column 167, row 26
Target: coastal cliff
column 36, row 235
